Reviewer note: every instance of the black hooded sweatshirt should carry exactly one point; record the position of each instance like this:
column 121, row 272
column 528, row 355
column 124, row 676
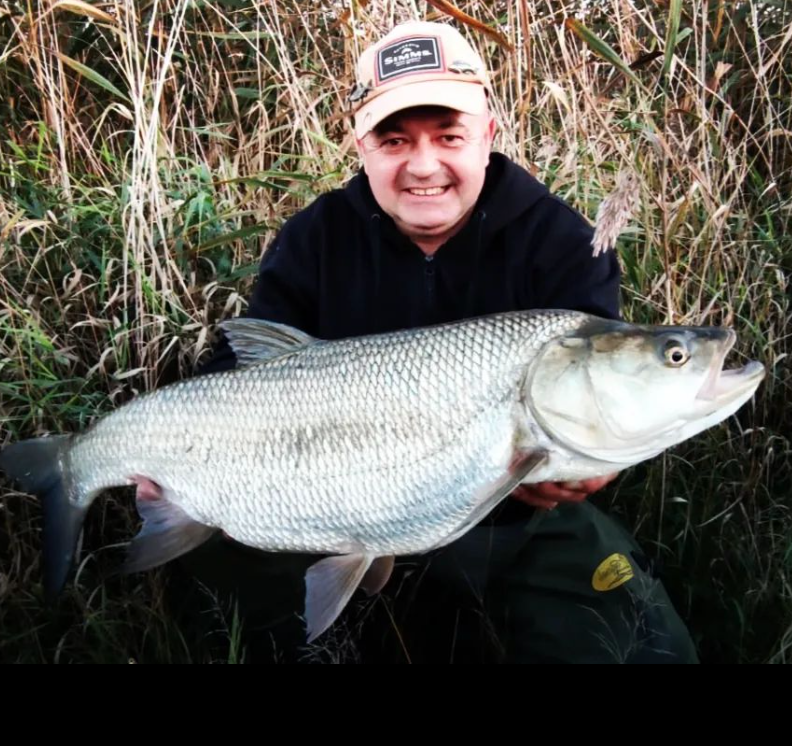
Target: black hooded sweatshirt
column 341, row 268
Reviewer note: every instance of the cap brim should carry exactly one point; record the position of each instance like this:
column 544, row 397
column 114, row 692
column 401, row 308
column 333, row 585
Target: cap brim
column 460, row 95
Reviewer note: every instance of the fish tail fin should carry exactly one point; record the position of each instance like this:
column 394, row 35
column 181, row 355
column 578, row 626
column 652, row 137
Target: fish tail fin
column 39, row 467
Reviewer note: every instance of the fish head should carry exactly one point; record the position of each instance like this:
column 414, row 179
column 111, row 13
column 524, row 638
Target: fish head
column 622, row 393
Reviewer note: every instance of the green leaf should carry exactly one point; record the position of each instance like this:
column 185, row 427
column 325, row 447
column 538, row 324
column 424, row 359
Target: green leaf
column 252, row 230
column 601, row 48
column 254, row 94
column 93, row 76
column 672, row 38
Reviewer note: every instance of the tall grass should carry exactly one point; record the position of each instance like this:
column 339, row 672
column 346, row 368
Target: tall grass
column 151, row 150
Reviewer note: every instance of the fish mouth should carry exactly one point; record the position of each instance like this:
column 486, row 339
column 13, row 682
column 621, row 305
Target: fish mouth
column 725, row 385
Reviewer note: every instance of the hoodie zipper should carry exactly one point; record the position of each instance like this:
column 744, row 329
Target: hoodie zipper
column 430, row 280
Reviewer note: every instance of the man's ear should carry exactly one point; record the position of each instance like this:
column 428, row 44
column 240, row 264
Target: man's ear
column 361, row 149
column 492, row 130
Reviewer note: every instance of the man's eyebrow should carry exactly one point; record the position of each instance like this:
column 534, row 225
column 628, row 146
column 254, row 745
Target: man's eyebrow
column 392, row 129
column 397, row 128
column 451, row 124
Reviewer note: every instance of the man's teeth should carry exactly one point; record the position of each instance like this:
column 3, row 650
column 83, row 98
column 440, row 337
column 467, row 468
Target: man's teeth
column 427, row 192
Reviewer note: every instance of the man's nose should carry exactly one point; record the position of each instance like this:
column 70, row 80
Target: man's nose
column 423, row 162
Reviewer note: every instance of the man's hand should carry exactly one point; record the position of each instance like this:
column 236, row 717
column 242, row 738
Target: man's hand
column 548, row 494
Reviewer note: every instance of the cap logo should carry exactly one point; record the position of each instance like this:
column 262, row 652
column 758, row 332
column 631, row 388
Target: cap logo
column 463, row 68
column 359, row 93
column 419, row 54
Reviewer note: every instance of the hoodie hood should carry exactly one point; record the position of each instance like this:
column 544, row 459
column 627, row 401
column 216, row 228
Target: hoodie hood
column 508, row 192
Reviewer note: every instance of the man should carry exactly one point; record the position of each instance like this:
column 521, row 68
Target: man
column 438, row 228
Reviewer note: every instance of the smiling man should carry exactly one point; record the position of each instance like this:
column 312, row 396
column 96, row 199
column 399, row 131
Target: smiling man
column 436, row 228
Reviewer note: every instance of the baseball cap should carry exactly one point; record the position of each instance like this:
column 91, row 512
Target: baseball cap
column 417, row 64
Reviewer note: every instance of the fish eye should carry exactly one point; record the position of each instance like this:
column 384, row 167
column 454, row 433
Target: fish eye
column 676, row 353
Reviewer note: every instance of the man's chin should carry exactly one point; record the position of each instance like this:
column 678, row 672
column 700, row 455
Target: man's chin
column 428, row 228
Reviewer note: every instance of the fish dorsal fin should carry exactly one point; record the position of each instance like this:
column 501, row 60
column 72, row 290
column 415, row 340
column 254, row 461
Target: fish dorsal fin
column 254, row 341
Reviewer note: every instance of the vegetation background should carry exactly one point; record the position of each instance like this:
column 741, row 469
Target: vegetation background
column 150, row 149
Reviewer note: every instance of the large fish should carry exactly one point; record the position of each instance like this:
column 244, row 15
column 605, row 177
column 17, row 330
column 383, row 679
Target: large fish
column 378, row 446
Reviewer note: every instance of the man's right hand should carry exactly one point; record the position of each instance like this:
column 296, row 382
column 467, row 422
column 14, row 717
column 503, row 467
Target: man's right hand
column 548, row 495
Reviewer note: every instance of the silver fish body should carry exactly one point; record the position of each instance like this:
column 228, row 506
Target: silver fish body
column 387, row 444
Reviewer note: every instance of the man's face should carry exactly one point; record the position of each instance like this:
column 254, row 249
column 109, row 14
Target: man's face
column 426, row 168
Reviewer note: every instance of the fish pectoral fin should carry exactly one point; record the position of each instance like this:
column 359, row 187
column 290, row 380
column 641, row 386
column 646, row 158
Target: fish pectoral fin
column 167, row 533
column 378, row 575
column 523, row 462
column 329, row 584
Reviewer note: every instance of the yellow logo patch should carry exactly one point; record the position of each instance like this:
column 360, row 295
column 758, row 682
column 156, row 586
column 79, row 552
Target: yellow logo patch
column 612, row 573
